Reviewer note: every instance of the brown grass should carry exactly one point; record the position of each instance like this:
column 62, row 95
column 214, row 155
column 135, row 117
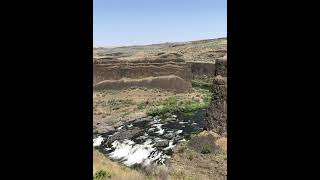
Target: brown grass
column 188, row 164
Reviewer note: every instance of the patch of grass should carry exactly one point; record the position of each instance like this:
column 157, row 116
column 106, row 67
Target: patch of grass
column 190, row 157
column 199, row 83
column 102, row 175
column 181, row 149
column 180, row 175
column 116, row 104
column 143, row 105
column 125, row 114
column 206, row 150
column 177, row 104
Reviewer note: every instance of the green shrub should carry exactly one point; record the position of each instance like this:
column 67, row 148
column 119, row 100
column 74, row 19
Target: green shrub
column 190, row 157
column 102, row 175
column 181, row 149
column 142, row 105
column 206, row 149
column 199, row 83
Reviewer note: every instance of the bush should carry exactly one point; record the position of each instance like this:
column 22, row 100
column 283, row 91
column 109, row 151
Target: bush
column 190, row 157
column 159, row 171
column 181, row 149
column 142, row 105
column 206, row 150
column 102, row 175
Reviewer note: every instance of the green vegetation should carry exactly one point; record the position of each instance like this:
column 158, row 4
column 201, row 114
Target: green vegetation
column 179, row 104
column 206, row 149
column 183, row 176
column 102, row 175
column 181, row 149
column 117, row 104
column 125, row 114
column 190, row 157
column 143, row 105
column 203, row 83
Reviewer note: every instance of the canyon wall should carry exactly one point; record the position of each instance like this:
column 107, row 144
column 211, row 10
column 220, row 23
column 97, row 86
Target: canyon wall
column 109, row 72
column 171, row 82
column 117, row 69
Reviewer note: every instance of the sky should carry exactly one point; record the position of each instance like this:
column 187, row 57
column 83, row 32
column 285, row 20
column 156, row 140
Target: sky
column 141, row 22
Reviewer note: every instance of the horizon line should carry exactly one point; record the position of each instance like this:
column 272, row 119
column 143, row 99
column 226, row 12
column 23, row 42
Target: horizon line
column 167, row 42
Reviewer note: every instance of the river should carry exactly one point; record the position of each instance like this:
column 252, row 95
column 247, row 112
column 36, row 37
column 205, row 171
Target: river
column 149, row 140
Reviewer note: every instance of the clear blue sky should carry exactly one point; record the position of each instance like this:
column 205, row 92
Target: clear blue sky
column 132, row 22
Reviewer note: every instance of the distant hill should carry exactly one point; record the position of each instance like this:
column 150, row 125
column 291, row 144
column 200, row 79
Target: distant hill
column 200, row 50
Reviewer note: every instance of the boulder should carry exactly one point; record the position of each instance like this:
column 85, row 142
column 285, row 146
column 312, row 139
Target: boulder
column 104, row 129
column 204, row 142
column 128, row 134
column 162, row 143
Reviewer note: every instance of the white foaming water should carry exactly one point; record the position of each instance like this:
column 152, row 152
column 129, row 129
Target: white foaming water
column 183, row 122
column 157, row 125
column 160, row 130
column 170, row 146
column 146, row 149
column 119, row 128
column 163, row 158
column 132, row 153
column 156, row 120
column 97, row 141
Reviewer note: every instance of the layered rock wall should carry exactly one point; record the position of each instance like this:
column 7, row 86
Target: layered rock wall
column 173, row 83
column 202, row 68
column 111, row 71
column 116, row 69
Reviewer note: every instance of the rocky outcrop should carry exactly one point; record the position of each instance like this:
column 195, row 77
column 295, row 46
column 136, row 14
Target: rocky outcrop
column 199, row 68
column 128, row 134
column 221, row 67
column 170, row 82
column 216, row 117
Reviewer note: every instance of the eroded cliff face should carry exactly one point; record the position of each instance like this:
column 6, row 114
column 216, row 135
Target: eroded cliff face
column 165, row 72
column 202, row 69
column 171, row 82
column 216, row 118
column 117, row 69
column 221, row 67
